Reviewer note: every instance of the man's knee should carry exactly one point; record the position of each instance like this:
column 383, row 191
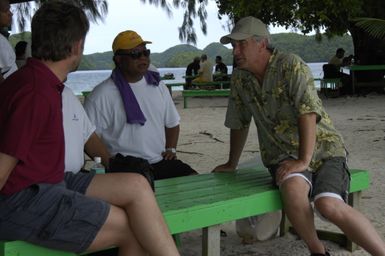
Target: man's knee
column 295, row 186
column 329, row 208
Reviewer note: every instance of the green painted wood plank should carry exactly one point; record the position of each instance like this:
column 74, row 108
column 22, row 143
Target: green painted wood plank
column 211, row 201
column 202, row 93
column 20, row 248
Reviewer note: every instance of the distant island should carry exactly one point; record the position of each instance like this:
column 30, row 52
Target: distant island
column 307, row 47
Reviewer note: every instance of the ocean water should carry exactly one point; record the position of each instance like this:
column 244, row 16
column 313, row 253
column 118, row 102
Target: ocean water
column 86, row 80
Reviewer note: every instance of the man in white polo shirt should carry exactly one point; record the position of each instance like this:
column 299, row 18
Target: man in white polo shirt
column 79, row 134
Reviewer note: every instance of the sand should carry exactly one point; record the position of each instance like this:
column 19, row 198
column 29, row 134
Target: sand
column 204, row 144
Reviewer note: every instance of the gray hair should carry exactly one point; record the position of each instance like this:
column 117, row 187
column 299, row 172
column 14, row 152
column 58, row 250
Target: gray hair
column 267, row 39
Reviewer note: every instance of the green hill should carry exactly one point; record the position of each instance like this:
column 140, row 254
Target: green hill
column 181, row 55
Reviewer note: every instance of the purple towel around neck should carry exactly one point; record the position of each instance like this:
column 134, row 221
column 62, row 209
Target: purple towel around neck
column 133, row 112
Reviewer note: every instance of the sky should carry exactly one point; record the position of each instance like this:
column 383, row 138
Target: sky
column 153, row 24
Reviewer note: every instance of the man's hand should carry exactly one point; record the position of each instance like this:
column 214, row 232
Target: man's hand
column 224, row 168
column 169, row 155
column 289, row 166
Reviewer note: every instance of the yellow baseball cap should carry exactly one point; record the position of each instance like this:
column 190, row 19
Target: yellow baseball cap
column 127, row 40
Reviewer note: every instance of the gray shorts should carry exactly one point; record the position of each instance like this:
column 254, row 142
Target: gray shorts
column 57, row 216
column 331, row 179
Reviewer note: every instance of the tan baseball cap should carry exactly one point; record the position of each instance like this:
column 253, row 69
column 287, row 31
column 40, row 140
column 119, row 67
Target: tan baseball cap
column 245, row 28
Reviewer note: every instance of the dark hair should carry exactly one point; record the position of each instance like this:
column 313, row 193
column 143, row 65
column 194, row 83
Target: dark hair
column 218, row 57
column 56, row 26
column 340, row 50
column 20, row 48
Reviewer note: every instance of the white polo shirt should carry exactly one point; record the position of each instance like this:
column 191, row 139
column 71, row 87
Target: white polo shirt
column 105, row 109
column 7, row 57
column 77, row 129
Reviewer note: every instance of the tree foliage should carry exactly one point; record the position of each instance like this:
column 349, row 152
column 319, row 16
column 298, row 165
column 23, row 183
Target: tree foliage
column 192, row 9
column 95, row 10
column 329, row 17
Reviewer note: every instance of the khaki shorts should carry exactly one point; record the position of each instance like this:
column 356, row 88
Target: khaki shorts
column 57, row 216
column 331, row 179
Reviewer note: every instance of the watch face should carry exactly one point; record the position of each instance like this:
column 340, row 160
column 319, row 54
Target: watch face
column 173, row 150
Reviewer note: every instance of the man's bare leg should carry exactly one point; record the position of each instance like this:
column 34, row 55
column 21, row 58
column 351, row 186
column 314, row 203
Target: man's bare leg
column 132, row 194
column 353, row 223
column 116, row 231
column 294, row 193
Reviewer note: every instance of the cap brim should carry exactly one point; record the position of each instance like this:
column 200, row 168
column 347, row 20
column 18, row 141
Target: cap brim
column 234, row 36
column 147, row 42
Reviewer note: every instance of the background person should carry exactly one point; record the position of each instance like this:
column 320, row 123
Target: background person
column 191, row 71
column 7, row 54
column 338, row 58
column 133, row 110
column 22, row 53
column 205, row 72
column 298, row 142
column 333, row 70
column 220, row 70
column 112, row 209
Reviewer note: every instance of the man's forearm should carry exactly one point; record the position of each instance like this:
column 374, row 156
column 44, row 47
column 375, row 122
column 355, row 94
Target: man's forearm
column 95, row 147
column 7, row 164
column 237, row 142
column 172, row 136
column 307, row 137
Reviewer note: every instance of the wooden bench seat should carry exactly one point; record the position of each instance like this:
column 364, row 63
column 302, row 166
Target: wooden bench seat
column 204, row 93
column 205, row 201
column 171, row 85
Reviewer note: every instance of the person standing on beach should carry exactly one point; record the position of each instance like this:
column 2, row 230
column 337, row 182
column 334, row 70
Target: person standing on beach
column 299, row 144
column 7, row 54
column 37, row 200
column 133, row 110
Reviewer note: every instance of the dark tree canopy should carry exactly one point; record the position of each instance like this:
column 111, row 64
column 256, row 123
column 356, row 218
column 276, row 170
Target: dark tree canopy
column 95, row 10
column 333, row 18
column 329, row 16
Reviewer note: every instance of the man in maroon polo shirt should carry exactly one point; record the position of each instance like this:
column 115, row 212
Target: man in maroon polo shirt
column 38, row 202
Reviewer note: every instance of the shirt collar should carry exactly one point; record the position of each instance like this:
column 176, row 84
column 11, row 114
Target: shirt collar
column 39, row 66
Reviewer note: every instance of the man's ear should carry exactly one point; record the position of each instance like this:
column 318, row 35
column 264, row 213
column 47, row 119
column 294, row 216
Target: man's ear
column 78, row 47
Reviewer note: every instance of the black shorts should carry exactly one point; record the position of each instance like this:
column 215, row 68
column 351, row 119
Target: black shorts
column 331, row 179
column 171, row 168
column 57, row 216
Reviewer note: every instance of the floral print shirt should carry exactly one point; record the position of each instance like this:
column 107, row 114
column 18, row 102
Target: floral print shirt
column 286, row 93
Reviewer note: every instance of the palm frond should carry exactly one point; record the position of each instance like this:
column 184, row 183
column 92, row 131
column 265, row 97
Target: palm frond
column 374, row 27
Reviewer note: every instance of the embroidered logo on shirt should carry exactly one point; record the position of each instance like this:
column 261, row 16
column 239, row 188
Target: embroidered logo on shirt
column 75, row 118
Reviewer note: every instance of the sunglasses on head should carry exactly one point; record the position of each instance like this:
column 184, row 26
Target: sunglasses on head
column 136, row 54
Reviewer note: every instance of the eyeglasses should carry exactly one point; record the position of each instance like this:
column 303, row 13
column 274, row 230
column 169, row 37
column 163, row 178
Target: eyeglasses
column 136, row 54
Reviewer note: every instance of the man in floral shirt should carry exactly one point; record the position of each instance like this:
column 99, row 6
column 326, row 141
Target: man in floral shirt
column 299, row 144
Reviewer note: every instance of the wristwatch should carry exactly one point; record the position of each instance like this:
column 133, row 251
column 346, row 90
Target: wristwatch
column 172, row 150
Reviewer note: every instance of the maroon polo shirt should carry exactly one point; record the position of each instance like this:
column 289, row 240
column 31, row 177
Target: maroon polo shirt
column 31, row 126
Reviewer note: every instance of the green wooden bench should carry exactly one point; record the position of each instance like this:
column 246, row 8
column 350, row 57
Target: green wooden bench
column 212, row 85
column 205, row 201
column 330, row 87
column 170, row 85
column 204, row 93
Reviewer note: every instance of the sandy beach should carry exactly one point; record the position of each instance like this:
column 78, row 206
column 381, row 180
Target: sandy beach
column 204, row 143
